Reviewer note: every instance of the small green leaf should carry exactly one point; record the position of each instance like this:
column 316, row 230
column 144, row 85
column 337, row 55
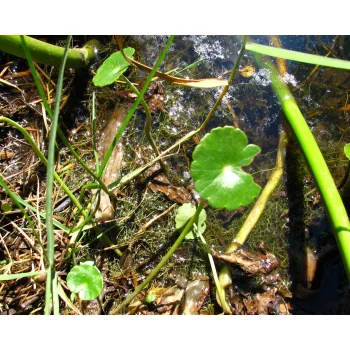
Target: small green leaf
column 347, row 150
column 85, row 280
column 150, row 298
column 216, row 168
column 113, row 67
column 6, row 207
column 185, row 212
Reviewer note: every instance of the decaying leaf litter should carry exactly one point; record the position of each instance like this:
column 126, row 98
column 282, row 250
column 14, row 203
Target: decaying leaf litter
column 137, row 204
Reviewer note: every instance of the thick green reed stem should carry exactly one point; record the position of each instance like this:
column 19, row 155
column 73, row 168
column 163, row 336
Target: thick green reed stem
column 48, row 54
column 319, row 169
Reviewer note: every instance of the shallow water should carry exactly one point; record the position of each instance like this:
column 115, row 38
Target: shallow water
column 294, row 217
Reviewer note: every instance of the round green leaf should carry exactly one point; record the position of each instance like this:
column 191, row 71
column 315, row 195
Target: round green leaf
column 150, row 298
column 86, row 281
column 216, row 168
column 6, row 207
column 347, row 150
column 112, row 68
column 185, row 212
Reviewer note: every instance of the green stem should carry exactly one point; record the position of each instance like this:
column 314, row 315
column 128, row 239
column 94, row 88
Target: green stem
column 14, row 197
column 49, row 111
column 324, row 180
column 260, row 204
column 225, row 89
column 127, row 178
column 219, row 289
column 257, row 210
column 155, row 271
column 24, row 203
column 43, row 159
column 18, row 275
column 135, row 104
column 148, row 122
column 298, row 56
column 48, row 54
column 93, row 123
column 51, row 278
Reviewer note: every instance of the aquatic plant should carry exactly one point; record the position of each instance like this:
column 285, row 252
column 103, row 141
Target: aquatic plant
column 216, row 170
column 347, row 150
column 51, row 55
column 319, row 169
column 85, row 280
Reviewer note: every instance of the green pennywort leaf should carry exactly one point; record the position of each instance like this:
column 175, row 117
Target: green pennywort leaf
column 86, row 281
column 185, row 212
column 347, row 150
column 216, row 169
column 6, row 207
column 113, row 67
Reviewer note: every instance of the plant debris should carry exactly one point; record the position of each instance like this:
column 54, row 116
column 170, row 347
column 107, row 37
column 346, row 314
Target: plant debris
column 249, row 262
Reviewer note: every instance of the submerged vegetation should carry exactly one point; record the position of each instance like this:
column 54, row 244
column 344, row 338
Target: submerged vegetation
column 148, row 200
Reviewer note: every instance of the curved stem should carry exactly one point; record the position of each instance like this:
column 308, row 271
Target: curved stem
column 134, row 106
column 225, row 89
column 161, row 264
column 148, row 123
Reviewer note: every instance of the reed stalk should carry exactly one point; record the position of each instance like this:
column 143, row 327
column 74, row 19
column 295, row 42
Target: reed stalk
column 331, row 198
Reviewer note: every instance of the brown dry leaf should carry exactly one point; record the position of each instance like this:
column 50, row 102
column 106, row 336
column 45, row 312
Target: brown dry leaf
column 249, row 262
column 259, row 304
column 195, row 294
column 169, row 301
column 177, row 194
column 6, row 155
column 310, row 266
column 345, row 108
column 198, row 83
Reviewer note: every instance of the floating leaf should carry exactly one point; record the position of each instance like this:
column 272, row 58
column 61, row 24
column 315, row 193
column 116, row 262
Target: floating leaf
column 216, row 168
column 112, row 68
column 85, row 280
column 185, row 212
column 347, row 150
